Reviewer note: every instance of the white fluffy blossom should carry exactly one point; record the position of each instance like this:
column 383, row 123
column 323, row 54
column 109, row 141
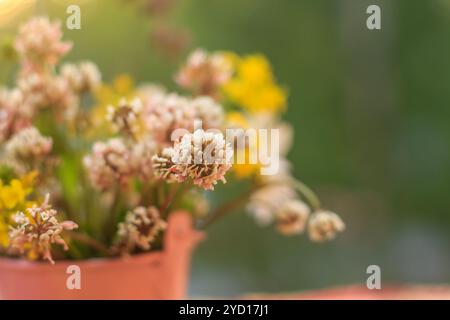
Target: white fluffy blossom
column 125, row 117
column 39, row 43
column 82, row 77
column 324, row 225
column 291, row 217
column 204, row 157
column 204, row 73
column 208, row 111
column 265, row 201
column 28, row 145
column 110, row 162
column 139, row 230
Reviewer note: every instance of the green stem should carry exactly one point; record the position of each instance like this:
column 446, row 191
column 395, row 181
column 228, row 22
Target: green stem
column 307, row 193
column 227, row 207
column 91, row 242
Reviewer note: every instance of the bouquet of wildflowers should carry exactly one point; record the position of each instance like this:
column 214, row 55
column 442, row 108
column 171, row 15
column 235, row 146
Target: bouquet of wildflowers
column 89, row 169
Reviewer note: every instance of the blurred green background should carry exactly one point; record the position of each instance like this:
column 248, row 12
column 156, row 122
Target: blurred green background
column 371, row 110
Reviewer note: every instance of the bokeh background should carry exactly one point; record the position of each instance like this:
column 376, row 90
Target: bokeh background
column 371, row 110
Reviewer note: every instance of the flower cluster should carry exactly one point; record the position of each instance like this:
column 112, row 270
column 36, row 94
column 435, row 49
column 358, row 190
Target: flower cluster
column 39, row 43
column 164, row 113
column 109, row 163
column 203, row 157
column 38, row 230
column 204, row 74
column 119, row 158
column 139, row 230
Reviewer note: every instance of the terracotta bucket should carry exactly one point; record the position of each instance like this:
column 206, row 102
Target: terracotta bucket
column 157, row 275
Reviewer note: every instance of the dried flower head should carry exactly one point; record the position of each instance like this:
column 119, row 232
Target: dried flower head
column 41, row 90
column 38, row 230
column 28, row 145
column 291, row 218
column 204, row 157
column 164, row 113
column 39, row 43
column 14, row 115
column 125, row 117
column 204, row 73
column 209, row 112
column 139, row 230
column 264, row 202
column 324, row 225
column 164, row 168
column 110, row 162
column 82, row 77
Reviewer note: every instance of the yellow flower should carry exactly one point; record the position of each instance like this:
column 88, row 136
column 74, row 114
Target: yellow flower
column 29, row 180
column 253, row 87
column 255, row 69
column 4, row 229
column 236, row 119
column 13, row 194
column 121, row 87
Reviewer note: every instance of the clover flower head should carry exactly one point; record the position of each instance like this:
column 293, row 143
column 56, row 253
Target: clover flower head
column 164, row 113
column 39, row 43
column 208, row 111
column 291, row 217
column 125, row 117
column 84, row 77
column 164, row 168
column 139, row 230
column 14, row 115
column 37, row 231
column 28, row 145
column 204, row 157
column 324, row 225
column 41, row 90
column 204, row 73
column 264, row 202
column 109, row 162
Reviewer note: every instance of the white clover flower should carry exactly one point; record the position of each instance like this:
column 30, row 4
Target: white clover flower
column 264, row 202
column 82, row 77
column 324, row 225
column 291, row 217
column 126, row 116
column 39, row 43
column 39, row 230
column 110, row 162
column 139, row 230
column 42, row 90
column 204, row 73
column 209, row 112
column 164, row 113
column 204, row 157
column 28, row 145
column 164, row 168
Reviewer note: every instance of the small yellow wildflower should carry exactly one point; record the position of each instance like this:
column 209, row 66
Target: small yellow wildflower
column 4, row 229
column 13, row 194
column 255, row 69
column 253, row 87
column 236, row 120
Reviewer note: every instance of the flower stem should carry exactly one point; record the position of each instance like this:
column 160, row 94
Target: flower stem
column 307, row 193
column 225, row 208
column 91, row 242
